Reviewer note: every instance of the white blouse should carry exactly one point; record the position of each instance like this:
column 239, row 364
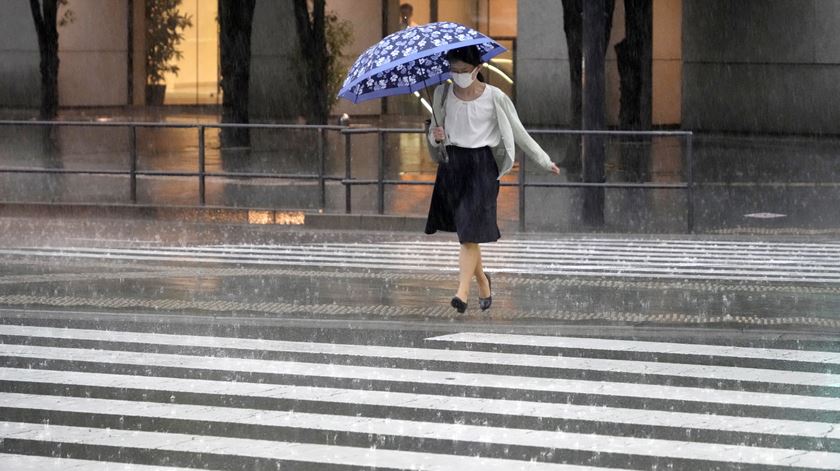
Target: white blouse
column 473, row 123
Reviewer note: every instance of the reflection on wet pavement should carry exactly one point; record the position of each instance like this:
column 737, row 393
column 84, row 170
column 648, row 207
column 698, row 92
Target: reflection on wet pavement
column 796, row 178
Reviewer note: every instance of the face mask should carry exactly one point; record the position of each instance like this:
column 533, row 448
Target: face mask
column 463, row 80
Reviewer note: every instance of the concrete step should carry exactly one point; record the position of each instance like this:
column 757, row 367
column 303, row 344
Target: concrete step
column 305, row 218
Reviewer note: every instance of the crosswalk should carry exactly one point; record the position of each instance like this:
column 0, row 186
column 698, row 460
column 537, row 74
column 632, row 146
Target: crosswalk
column 80, row 397
column 647, row 258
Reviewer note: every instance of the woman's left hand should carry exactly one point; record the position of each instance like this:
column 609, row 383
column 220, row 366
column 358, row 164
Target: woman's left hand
column 555, row 169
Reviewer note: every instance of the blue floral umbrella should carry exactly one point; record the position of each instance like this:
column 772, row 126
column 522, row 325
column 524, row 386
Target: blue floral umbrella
column 410, row 60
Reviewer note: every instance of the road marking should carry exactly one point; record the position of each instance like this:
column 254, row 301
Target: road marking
column 593, row 343
column 745, row 263
column 521, row 253
column 429, row 430
column 285, row 451
column 802, row 272
column 622, row 242
column 524, row 251
column 11, row 462
column 731, row 373
column 453, row 378
column 430, row 402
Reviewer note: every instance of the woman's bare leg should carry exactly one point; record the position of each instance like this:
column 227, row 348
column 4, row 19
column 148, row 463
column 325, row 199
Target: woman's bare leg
column 480, row 278
column 467, row 260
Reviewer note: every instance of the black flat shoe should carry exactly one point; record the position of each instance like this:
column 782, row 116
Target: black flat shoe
column 484, row 303
column 458, row 304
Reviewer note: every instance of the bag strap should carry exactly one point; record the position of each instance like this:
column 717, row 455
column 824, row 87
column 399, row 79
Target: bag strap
column 446, row 86
column 443, row 156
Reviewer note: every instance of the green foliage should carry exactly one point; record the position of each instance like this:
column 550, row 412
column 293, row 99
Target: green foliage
column 164, row 32
column 339, row 33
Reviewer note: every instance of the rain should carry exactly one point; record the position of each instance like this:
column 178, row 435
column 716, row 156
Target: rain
column 260, row 235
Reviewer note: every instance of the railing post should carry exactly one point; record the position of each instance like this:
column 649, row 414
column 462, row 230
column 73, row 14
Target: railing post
column 348, row 188
column 522, row 194
column 380, row 179
column 201, row 169
column 322, row 169
column 689, row 157
column 132, row 149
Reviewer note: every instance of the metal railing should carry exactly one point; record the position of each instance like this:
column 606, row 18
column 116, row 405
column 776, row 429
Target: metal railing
column 348, row 181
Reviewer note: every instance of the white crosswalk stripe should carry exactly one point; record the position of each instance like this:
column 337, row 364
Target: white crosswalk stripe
column 639, row 258
column 594, row 364
column 14, row 462
column 639, row 346
column 300, row 452
column 222, row 402
column 431, row 402
column 413, row 429
column 457, row 378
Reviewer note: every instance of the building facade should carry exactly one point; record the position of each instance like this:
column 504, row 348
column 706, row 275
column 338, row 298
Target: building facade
column 718, row 65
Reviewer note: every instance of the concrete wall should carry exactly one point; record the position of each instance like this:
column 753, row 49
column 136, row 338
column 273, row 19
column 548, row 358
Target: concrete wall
column 274, row 90
column 139, row 48
column 93, row 51
column 543, row 88
column 20, row 79
column 366, row 17
column 667, row 62
column 542, row 64
column 761, row 65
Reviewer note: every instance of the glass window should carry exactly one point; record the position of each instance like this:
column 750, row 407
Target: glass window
column 197, row 79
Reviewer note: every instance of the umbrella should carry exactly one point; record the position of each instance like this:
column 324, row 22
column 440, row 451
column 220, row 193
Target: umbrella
column 410, row 60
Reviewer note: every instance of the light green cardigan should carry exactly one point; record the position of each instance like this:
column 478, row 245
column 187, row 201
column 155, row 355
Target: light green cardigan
column 510, row 128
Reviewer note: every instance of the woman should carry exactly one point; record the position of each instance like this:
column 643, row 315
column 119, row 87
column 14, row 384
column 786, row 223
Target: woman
column 479, row 127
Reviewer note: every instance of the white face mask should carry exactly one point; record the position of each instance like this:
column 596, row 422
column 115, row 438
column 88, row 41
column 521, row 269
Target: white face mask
column 464, row 79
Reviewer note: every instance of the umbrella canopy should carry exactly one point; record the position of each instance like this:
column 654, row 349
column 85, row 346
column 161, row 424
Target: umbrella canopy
column 411, row 59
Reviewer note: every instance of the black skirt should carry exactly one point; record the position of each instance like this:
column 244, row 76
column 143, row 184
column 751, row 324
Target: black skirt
column 464, row 196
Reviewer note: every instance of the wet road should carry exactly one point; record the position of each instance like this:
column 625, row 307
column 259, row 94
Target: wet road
column 268, row 271
column 186, row 393
column 167, row 345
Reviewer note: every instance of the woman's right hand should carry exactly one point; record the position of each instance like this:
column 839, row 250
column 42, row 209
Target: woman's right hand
column 439, row 134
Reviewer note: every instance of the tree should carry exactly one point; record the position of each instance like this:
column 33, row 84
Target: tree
column 311, row 29
column 322, row 37
column 339, row 34
column 588, row 26
column 236, row 19
column 573, row 27
column 634, row 63
column 634, row 55
column 45, row 16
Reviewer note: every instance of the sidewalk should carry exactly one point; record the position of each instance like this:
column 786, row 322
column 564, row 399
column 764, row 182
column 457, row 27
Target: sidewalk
column 283, row 272
column 743, row 184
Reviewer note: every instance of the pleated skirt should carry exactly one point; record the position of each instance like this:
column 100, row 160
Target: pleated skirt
column 464, row 196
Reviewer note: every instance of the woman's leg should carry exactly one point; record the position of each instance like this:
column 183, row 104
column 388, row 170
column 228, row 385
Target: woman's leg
column 480, row 278
column 468, row 258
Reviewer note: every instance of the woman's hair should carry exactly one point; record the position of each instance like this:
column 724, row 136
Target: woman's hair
column 468, row 55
